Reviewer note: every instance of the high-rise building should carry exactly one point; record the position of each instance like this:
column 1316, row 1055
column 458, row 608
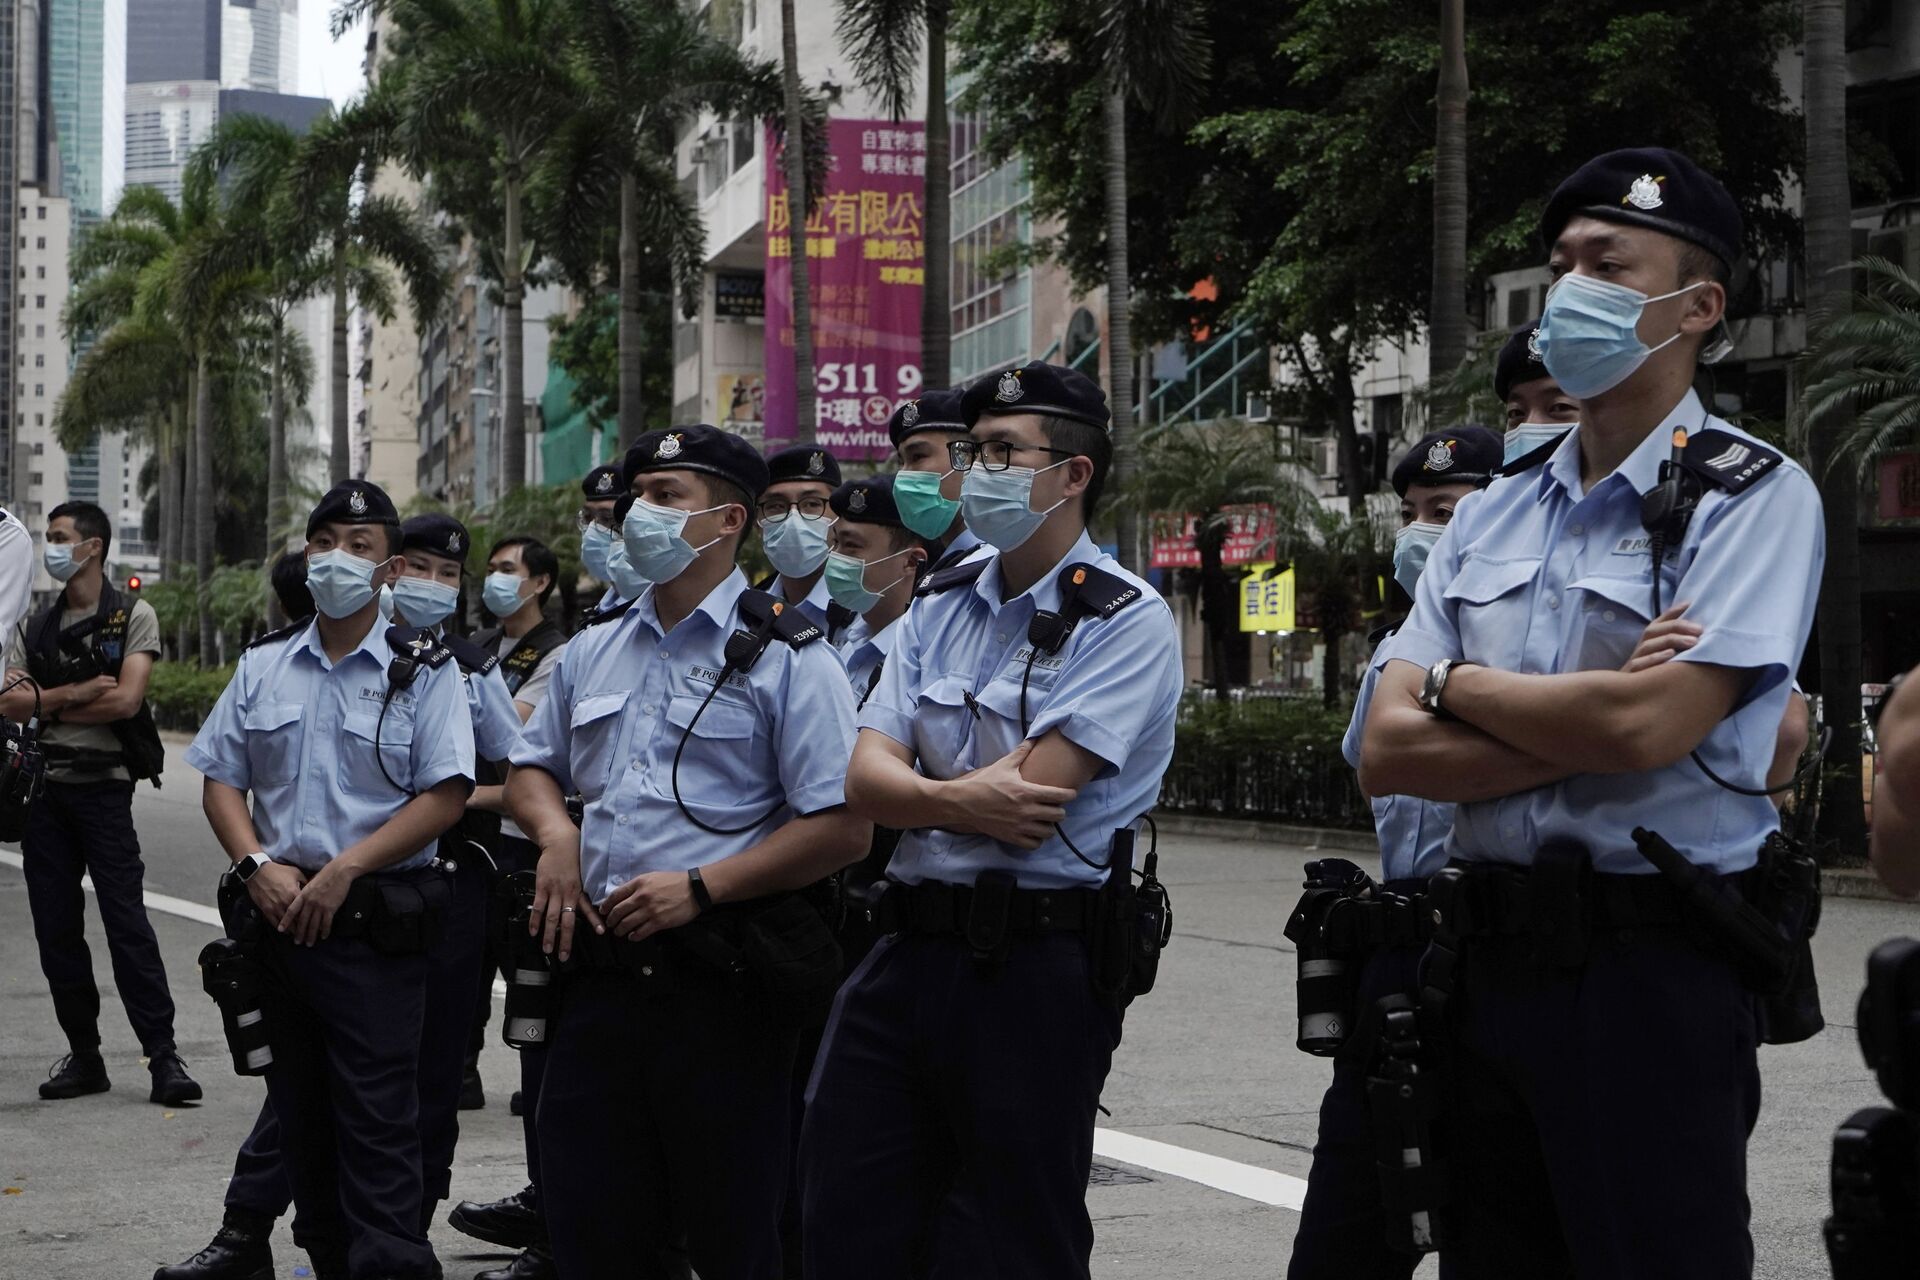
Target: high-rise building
column 87, row 90
column 259, row 45
column 173, row 40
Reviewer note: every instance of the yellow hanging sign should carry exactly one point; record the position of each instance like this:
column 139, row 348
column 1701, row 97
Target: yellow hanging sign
column 1266, row 599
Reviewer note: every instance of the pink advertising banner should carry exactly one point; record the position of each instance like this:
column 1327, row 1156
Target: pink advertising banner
column 865, row 248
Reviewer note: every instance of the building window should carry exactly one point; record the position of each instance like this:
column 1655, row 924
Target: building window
column 42, row 212
column 39, row 330
column 39, row 447
column 40, row 302
column 39, row 420
column 35, row 477
column 39, row 360
column 1883, row 114
column 39, row 388
column 39, row 242
column 40, row 271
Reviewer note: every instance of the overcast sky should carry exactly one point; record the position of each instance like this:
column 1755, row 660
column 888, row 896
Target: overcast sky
column 329, row 68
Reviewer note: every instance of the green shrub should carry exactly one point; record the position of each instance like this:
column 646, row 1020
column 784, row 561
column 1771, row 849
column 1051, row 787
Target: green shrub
column 1270, row 758
column 181, row 694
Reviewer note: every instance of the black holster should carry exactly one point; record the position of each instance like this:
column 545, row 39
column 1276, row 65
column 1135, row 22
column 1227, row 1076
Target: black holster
column 775, row 950
column 403, row 914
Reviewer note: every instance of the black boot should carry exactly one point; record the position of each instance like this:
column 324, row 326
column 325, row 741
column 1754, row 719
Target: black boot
column 532, row 1264
column 512, row 1222
column 171, row 1083
column 75, row 1076
column 236, row 1253
column 473, row 1095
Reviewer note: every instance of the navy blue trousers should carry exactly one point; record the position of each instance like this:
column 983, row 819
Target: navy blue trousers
column 1599, row 1115
column 664, row 1114
column 1340, row 1236
column 344, row 1084
column 75, row 830
column 939, row 1073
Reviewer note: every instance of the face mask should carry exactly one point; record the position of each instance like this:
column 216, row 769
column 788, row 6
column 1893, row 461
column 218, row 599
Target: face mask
column 1528, row 436
column 625, row 582
column 796, row 545
column 847, row 580
column 1588, row 338
column 341, row 582
column 655, row 549
column 923, row 508
column 501, row 594
column 1411, row 546
column 60, row 562
column 386, row 602
column 999, row 504
column 595, row 543
column 424, row 602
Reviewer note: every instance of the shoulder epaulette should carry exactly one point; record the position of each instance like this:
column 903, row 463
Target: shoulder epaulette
column 1086, row 591
column 790, row 623
column 1528, row 461
column 839, row 618
column 1378, row 635
column 419, row 645
column 471, row 657
column 959, row 575
column 1727, row 461
column 284, row 633
column 597, row 616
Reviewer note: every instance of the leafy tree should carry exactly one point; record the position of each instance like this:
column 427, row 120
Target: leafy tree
column 587, row 346
column 1863, row 374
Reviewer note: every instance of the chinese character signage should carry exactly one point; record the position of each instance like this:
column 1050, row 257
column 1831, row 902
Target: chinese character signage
column 1266, row 600
column 866, row 254
column 739, row 295
column 1249, row 536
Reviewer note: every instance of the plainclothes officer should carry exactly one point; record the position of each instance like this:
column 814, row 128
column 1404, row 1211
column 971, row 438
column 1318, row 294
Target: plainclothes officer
column 1342, row 1231
column 90, row 651
column 801, row 479
column 1577, row 1049
column 357, row 755
column 926, row 489
column 1537, row 409
column 434, row 549
column 600, row 526
column 665, row 1103
column 903, row 1106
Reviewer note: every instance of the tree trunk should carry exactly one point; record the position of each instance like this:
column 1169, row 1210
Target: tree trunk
column 513, row 417
column 936, row 297
column 1354, row 477
column 632, row 327
column 168, row 490
column 1216, row 611
column 1447, row 319
column 339, row 462
column 1330, row 638
column 1119, row 324
column 277, row 442
column 203, row 503
column 805, row 414
column 1829, row 229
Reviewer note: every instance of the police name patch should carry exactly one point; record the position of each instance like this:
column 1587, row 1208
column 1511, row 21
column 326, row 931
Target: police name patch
column 401, row 697
column 707, row 675
column 1044, row 662
column 1640, row 546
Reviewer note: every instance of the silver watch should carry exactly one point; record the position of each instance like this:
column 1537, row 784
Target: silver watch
column 1436, row 686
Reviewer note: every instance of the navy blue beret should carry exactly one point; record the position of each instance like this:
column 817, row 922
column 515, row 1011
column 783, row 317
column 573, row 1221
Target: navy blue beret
column 867, row 501
column 437, row 533
column 803, row 462
column 1650, row 187
column 932, row 411
column 1458, row 455
column 697, row 448
column 602, row 482
column 1519, row 362
column 1036, row 387
column 353, row 502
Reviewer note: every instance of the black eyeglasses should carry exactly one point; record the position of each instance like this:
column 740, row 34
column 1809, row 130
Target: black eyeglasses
column 586, row 519
column 774, row 510
column 993, row 455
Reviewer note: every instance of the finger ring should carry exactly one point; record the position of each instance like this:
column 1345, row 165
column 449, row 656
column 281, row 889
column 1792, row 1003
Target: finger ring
column 566, row 911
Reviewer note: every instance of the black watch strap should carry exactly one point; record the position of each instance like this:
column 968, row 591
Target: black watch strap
column 701, row 897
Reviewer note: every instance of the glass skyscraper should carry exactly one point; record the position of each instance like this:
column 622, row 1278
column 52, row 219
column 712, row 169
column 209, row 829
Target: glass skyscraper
column 87, row 81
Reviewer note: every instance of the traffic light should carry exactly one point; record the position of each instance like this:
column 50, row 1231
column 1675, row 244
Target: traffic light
column 133, row 582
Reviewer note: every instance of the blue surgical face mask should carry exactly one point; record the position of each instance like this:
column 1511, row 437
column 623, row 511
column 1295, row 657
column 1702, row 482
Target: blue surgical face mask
column 60, row 562
column 795, row 545
column 501, row 594
column 422, row 602
column 1528, row 436
column 1588, row 336
column 999, row 504
column 341, row 582
column 655, row 549
column 386, row 602
column 1411, row 546
column 923, row 508
column 620, row 575
column 847, row 580
column 595, row 542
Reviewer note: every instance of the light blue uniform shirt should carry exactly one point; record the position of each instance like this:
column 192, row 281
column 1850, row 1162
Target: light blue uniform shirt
column 611, row 598
column 775, row 740
column 496, row 725
column 1412, row 832
column 298, row 732
column 864, row 652
column 951, row 692
column 1534, row 576
column 815, row 604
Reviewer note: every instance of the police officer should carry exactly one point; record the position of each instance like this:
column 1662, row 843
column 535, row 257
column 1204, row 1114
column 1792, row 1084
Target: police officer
column 1537, row 409
column 16, row 571
column 357, row 755
column 1611, row 1025
column 871, row 571
column 800, row 480
column 90, row 651
column 1341, row 1232
column 600, row 526
column 706, row 728
column 1010, row 766
column 288, row 578
column 926, row 490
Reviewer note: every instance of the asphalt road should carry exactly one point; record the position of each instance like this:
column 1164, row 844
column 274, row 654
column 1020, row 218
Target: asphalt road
column 112, row 1186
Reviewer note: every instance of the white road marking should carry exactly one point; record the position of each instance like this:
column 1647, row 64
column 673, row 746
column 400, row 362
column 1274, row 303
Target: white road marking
column 1249, row 1182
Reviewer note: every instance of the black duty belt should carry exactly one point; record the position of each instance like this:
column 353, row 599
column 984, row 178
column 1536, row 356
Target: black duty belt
column 1480, row 900
column 1398, row 914
column 936, row 908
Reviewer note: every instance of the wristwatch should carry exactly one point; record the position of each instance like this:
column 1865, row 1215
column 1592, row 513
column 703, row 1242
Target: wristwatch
column 1436, row 686
column 249, row 865
column 701, row 897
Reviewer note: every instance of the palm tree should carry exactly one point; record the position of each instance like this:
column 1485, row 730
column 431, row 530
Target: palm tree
column 883, row 40
column 1863, row 377
column 1447, row 325
column 1155, row 53
column 799, row 205
column 1828, row 210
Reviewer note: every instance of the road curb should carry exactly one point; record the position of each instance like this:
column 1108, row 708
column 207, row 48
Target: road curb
column 1835, row 882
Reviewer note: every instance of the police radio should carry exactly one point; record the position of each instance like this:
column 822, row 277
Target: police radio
column 22, row 767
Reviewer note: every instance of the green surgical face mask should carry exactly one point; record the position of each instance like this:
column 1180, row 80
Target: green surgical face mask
column 847, row 580
column 922, row 507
